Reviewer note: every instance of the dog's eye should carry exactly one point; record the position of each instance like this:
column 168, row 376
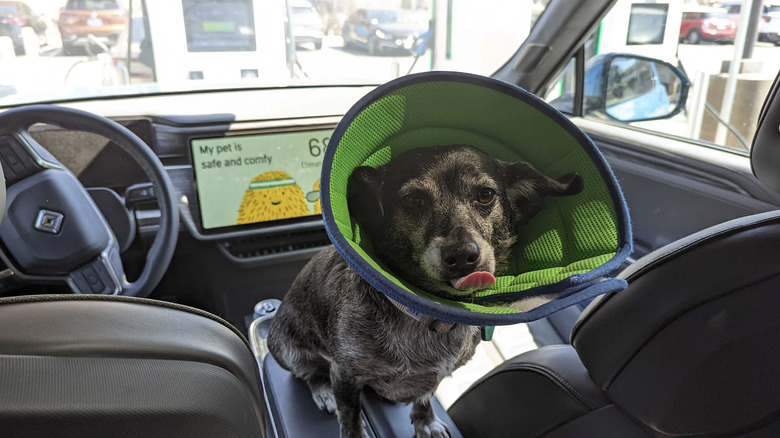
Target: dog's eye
column 413, row 201
column 486, row 196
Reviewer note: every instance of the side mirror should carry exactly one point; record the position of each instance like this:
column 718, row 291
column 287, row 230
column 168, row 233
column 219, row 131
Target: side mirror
column 633, row 88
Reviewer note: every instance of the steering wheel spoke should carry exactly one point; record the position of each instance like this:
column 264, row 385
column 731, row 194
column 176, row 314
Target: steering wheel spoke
column 21, row 155
column 105, row 275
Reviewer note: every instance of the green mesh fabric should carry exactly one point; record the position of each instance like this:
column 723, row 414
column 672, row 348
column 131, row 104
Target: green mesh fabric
column 573, row 235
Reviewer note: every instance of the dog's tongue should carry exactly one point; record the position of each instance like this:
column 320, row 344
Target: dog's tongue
column 475, row 280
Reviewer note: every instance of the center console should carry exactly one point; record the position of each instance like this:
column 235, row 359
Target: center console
column 292, row 412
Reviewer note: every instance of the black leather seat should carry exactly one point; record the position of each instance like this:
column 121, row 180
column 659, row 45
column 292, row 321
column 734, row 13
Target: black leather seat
column 691, row 348
column 97, row 366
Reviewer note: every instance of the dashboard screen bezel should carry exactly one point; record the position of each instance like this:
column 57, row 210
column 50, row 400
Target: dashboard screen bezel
column 194, row 201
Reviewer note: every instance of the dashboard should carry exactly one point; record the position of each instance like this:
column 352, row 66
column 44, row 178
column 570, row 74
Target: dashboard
column 221, row 263
column 223, row 269
column 253, row 187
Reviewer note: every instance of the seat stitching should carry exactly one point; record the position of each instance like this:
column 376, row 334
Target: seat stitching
column 119, row 298
column 557, row 377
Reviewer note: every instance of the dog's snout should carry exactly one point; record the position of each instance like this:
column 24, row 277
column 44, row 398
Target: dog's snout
column 461, row 258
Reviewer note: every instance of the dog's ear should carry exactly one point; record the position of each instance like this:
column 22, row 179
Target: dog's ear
column 527, row 188
column 364, row 196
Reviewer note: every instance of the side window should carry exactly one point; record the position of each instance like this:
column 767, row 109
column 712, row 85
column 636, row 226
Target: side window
column 560, row 93
column 683, row 85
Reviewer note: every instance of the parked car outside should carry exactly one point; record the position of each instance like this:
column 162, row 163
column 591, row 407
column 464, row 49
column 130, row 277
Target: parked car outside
column 708, row 25
column 16, row 15
column 307, row 24
column 379, row 30
column 104, row 20
column 10, row 27
column 769, row 26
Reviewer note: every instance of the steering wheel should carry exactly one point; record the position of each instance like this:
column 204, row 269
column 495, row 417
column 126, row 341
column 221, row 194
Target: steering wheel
column 53, row 232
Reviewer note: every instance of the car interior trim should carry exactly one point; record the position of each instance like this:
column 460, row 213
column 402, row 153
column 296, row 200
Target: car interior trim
column 308, row 123
column 668, row 252
column 563, row 27
column 269, row 258
column 579, row 78
column 24, row 140
column 692, row 179
column 691, row 173
column 667, row 144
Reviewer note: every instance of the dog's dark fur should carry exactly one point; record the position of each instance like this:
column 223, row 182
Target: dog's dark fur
column 432, row 214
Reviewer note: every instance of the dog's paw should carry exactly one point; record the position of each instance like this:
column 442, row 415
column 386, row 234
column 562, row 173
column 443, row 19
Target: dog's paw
column 432, row 429
column 324, row 398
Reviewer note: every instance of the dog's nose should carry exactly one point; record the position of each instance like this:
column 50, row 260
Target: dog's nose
column 460, row 258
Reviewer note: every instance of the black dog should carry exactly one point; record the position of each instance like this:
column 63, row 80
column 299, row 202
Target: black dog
column 444, row 219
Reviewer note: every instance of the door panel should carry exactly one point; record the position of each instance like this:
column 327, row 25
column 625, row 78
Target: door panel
column 673, row 188
column 670, row 197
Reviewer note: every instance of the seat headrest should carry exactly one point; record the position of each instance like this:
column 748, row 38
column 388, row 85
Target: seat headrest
column 765, row 151
column 691, row 346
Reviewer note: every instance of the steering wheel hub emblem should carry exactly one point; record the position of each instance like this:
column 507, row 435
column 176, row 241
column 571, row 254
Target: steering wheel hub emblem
column 49, row 221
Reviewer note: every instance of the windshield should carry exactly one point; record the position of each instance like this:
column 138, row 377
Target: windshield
column 80, row 49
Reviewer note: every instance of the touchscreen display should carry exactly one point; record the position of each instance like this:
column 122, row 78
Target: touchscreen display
column 258, row 178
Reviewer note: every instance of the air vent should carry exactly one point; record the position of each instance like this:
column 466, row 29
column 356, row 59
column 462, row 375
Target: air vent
column 254, row 247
